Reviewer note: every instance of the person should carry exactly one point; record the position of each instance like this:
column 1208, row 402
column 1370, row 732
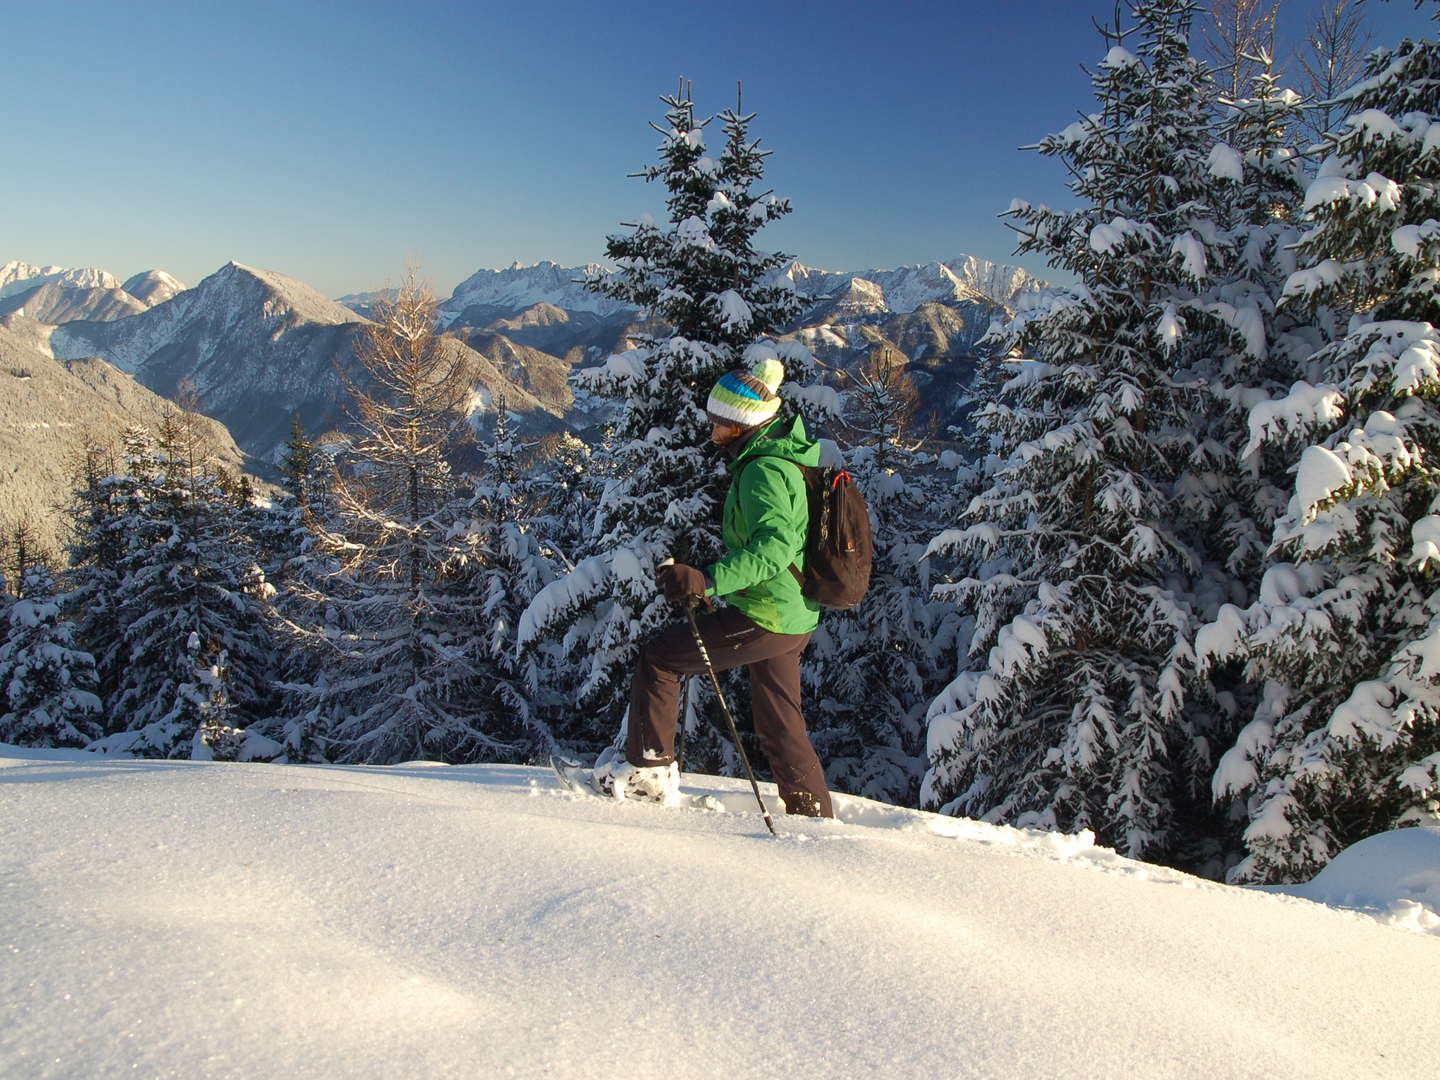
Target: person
column 767, row 621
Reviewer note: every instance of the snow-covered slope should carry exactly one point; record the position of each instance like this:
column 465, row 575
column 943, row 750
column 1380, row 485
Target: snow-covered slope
column 52, row 411
column 54, row 304
column 203, row 920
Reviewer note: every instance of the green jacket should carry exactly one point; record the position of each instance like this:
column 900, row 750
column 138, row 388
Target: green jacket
column 765, row 519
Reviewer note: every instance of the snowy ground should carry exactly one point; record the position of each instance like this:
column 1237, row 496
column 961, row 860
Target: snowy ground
column 176, row 919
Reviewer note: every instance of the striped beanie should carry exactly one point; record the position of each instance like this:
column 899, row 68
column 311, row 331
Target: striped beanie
column 747, row 398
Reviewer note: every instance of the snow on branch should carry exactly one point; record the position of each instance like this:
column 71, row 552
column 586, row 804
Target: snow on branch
column 1107, row 237
column 1375, row 192
column 1305, row 407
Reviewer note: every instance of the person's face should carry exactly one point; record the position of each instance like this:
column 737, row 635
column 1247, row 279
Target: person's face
column 723, row 434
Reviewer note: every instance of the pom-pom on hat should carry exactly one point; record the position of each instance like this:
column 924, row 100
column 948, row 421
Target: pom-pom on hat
column 747, row 398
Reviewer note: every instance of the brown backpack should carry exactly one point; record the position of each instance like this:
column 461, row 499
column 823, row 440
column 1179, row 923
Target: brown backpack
column 838, row 545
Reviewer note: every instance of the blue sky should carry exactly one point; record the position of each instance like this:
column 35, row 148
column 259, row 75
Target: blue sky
column 340, row 142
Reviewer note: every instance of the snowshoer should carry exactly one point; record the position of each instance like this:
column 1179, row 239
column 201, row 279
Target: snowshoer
column 767, row 621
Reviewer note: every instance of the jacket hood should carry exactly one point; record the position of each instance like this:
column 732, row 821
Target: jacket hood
column 780, row 438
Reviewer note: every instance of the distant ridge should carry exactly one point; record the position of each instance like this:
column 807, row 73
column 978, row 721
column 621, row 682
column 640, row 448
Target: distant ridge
column 18, row 277
column 107, row 297
column 488, row 295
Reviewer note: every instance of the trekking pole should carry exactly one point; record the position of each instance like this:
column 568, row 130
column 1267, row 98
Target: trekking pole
column 690, row 604
column 680, row 727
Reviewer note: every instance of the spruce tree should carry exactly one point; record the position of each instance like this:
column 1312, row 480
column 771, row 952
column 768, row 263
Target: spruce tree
column 700, row 272
column 298, row 575
column 104, row 525
column 1344, row 633
column 871, row 671
column 1257, row 348
column 47, row 685
column 1078, row 708
column 510, row 514
column 194, row 671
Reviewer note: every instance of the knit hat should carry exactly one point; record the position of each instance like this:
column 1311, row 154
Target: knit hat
column 747, row 398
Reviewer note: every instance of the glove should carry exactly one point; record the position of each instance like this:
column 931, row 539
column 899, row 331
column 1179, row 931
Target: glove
column 678, row 581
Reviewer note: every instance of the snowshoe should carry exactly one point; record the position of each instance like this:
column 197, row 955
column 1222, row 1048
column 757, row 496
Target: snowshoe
column 614, row 777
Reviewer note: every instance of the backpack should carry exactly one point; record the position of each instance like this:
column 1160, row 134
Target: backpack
column 838, row 545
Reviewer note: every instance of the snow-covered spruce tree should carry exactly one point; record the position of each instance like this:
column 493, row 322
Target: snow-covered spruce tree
column 1345, row 633
column 195, row 657
column 1255, row 350
column 871, row 671
column 282, row 524
column 510, row 515
column 700, row 273
column 1079, row 708
column 296, row 571
column 567, row 481
column 403, row 673
column 103, row 519
column 1258, row 348
column 47, row 685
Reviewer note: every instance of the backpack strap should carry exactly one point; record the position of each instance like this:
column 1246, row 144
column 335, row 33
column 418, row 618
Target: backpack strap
column 794, row 570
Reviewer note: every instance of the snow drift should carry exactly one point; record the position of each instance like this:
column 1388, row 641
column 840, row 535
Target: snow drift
column 200, row 920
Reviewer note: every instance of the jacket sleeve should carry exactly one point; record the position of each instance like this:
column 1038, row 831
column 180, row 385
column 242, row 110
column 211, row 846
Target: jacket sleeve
column 772, row 502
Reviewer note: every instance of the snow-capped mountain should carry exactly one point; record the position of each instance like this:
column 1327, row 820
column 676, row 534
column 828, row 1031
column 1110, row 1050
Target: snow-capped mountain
column 56, row 294
column 215, row 317
column 18, row 277
column 902, row 290
column 259, row 348
column 487, row 295
column 153, row 287
column 933, row 313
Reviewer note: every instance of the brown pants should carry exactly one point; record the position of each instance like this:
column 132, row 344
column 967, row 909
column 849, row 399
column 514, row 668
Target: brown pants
column 774, row 663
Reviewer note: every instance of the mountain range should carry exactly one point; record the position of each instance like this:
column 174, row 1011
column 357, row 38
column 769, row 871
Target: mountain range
column 54, row 294
column 261, row 349
column 495, row 294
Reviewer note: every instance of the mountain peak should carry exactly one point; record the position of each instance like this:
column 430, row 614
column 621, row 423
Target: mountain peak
column 236, row 283
column 153, row 287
